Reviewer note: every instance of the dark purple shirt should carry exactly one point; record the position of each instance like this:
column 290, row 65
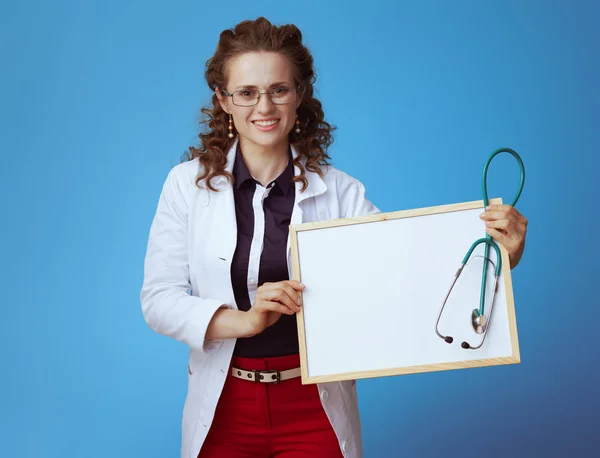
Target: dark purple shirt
column 281, row 338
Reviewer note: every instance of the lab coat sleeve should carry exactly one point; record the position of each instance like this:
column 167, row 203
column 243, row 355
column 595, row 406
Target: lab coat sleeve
column 167, row 305
column 356, row 202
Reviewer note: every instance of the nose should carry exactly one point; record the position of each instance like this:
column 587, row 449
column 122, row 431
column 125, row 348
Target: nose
column 264, row 104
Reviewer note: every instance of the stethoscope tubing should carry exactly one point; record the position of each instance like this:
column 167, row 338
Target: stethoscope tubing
column 484, row 191
column 478, row 314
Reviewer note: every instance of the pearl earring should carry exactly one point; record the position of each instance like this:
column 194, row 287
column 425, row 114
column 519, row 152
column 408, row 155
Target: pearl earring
column 297, row 124
column 230, row 135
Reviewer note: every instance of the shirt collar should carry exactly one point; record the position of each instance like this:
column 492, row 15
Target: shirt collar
column 316, row 184
column 241, row 173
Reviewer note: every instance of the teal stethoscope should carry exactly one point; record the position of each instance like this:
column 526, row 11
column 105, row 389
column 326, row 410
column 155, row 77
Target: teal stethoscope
column 478, row 319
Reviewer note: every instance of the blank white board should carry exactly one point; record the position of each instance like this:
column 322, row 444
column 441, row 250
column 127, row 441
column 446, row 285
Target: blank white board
column 375, row 286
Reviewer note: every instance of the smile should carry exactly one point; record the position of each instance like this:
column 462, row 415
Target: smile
column 266, row 125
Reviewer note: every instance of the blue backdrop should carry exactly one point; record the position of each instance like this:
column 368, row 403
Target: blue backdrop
column 99, row 100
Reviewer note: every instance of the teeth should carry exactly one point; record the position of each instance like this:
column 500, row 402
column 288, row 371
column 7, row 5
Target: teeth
column 265, row 123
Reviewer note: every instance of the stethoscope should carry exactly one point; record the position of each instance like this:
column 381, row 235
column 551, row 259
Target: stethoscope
column 478, row 319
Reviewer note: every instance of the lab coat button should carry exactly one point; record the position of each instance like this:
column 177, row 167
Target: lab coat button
column 324, row 395
column 345, row 446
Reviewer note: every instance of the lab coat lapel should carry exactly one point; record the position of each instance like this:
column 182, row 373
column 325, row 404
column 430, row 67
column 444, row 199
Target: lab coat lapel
column 316, row 186
column 224, row 207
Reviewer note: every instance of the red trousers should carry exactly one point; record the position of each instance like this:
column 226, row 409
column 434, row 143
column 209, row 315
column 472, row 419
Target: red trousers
column 264, row 420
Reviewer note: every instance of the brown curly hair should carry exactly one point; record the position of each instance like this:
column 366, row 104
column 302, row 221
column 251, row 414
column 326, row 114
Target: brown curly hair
column 315, row 136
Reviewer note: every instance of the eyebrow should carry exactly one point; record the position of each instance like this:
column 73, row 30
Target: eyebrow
column 250, row 86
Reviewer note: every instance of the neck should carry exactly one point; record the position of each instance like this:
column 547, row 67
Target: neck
column 264, row 164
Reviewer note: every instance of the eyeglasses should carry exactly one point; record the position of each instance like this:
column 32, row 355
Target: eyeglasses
column 250, row 97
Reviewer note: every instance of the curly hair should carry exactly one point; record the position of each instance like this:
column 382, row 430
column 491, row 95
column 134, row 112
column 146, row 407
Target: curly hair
column 255, row 36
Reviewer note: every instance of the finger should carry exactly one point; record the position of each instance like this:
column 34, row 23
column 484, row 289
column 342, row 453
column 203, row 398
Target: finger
column 262, row 305
column 274, row 306
column 504, row 224
column 294, row 284
column 497, row 215
column 279, row 307
column 280, row 295
column 296, row 296
column 515, row 214
column 289, row 290
column 497, row 235
column 503, row 207
column 509, row 209
column 293, row 288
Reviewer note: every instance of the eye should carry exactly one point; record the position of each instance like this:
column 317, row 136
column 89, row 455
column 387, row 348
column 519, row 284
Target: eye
column 281, row 90
column 246, row 93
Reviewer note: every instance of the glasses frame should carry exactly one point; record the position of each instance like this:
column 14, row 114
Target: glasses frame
column 269, row 93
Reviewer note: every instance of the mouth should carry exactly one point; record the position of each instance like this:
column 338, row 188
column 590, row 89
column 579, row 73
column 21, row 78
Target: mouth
column 266, row 125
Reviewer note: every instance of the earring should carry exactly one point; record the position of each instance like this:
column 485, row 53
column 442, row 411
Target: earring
column 230, row 135
column 297, row 124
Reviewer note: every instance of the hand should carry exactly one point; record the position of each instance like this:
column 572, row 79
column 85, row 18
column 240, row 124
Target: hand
column 505, row 224
column 273, row 299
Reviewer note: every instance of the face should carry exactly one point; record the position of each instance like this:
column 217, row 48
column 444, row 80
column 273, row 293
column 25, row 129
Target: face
column 263, row 127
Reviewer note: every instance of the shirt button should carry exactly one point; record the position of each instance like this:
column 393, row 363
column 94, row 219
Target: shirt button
column 345, row 446
column 324, row 395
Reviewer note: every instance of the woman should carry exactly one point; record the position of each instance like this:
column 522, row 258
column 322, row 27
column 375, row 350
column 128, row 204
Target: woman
column 221, row 233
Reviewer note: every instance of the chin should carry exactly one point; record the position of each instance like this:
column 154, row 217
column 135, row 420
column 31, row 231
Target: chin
column 267, row 140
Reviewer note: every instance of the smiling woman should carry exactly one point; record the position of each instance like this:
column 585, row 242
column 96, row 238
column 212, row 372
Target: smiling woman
column 221, row 231
column 262, row 77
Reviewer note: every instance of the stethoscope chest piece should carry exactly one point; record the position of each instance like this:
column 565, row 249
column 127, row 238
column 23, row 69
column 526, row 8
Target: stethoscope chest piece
column 478, row 321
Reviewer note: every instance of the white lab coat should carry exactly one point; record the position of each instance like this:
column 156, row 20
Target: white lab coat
column 187, row 278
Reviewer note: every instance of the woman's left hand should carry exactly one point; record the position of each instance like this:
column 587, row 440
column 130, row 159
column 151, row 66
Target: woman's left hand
column 505, row 224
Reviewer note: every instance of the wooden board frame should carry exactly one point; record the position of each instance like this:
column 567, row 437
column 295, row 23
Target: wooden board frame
column 515, row 358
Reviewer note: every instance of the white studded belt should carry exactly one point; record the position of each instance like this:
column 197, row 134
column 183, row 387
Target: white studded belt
column 265, row 376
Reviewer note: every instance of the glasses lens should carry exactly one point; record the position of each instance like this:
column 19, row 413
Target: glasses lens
column 245, row 98
column 283, row 94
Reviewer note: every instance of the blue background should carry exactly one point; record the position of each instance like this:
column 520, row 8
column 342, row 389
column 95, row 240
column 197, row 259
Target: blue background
column 99, row 100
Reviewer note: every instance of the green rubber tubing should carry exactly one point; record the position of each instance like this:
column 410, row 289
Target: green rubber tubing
column 486, row 203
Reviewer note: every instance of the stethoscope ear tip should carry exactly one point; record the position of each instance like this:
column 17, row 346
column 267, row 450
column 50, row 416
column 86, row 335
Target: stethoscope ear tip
column 449, row 339
column 465, row 345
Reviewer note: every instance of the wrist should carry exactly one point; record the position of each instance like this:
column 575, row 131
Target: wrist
column 515, row 258
column 248, row 326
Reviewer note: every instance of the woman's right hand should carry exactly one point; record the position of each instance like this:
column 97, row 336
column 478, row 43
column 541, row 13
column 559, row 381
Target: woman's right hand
column 273, row 299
